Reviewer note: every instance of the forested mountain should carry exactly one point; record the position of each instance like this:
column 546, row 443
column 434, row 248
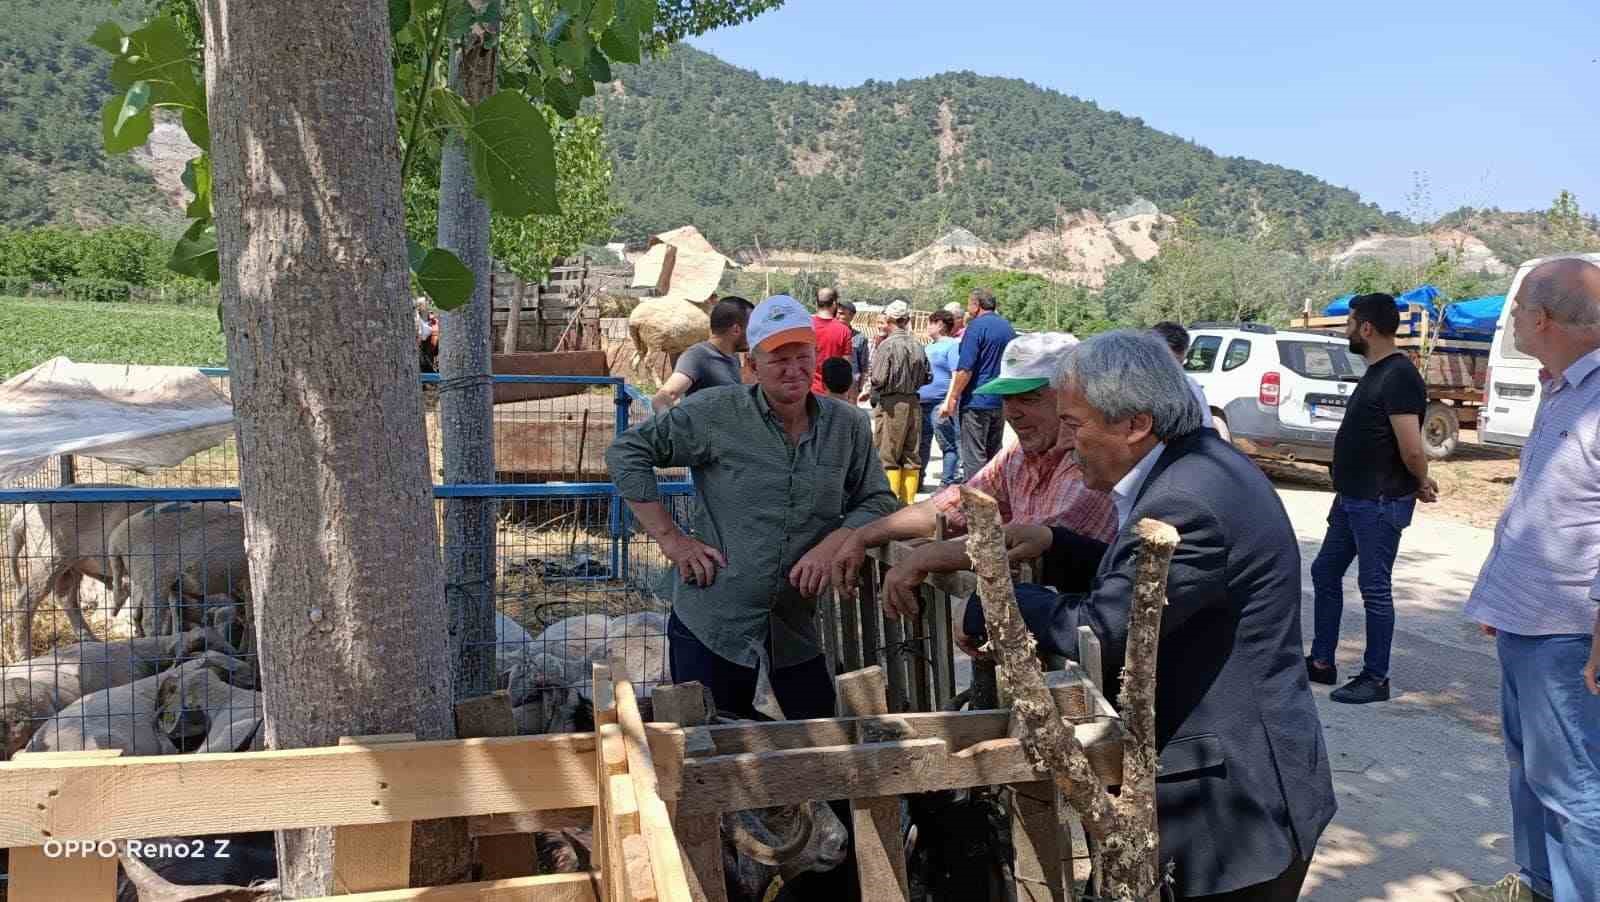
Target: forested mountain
column 885, row 168
column 52, row 86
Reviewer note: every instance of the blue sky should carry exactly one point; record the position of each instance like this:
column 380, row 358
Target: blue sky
column 1497, row 103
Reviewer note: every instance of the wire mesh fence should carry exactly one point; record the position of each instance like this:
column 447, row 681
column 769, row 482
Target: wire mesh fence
column 125, row 604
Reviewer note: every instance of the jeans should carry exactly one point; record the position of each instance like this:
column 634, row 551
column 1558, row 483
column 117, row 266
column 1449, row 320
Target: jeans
column 803, row 691
column 1552, row 735
column 949, row 443
column 1370, row 531
column 981, row 434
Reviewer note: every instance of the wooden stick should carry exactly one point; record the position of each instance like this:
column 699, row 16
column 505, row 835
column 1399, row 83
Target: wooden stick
column 1125, row 828
column 880, row 853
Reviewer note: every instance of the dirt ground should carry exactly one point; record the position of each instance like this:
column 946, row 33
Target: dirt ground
column 1474, row 485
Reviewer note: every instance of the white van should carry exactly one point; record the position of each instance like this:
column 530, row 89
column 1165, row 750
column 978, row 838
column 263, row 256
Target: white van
column 1511, row 387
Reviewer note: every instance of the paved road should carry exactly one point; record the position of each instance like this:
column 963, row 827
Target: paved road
column 1420, row 779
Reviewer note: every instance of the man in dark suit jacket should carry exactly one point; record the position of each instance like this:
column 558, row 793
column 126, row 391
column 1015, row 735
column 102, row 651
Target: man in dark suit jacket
column 1244, row 789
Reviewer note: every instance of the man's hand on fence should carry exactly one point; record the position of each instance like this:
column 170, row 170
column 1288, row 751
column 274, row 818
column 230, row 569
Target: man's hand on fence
column 812, row 573
column 846, row 565
column 900, row 588
column 696, row 561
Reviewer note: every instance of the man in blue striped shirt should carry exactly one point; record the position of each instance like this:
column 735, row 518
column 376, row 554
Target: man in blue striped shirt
column 1537, row 595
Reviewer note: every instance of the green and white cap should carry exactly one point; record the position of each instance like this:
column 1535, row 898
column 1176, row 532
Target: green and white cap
column 1029, row 363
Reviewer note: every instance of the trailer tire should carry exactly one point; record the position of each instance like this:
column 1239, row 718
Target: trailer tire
column 1441, row 431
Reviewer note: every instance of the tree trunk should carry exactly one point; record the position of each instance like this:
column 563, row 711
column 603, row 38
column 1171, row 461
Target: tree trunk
column 348, row 600
column 466, row 396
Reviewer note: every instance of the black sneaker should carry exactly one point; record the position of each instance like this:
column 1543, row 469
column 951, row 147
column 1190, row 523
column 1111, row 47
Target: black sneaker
column 1362, row 690
column 1326, row 674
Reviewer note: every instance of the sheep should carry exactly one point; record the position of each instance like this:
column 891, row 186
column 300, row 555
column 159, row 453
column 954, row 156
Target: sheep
column 668, row 325
column 34, row 690
column 178, row 548
column 65, row 542
column 205, row 712
column 511, row 642
column 157, row 870
column 543, row 698
column 127, row 717
column 575, row 638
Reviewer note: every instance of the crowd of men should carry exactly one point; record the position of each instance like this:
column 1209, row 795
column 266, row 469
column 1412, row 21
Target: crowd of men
column 794, row 484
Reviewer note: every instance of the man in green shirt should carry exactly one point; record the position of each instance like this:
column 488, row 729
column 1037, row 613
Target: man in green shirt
column 783, row 477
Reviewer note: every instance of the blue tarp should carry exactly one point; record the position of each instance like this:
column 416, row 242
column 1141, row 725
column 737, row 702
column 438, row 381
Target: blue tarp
column 1472, row 318
column 1422, row 295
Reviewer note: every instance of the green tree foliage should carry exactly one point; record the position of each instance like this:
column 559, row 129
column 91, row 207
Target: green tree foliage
column 52, row 87
column 1568, row 229
column 127, row 255
column 886, row 168
column 1033, row 304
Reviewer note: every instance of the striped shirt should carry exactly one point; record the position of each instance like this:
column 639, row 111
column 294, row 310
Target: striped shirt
column 1540, row 578
column 1036, row 490
column 763, row 503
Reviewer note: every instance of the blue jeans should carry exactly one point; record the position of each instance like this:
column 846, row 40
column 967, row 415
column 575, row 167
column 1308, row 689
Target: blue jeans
column 1552, row 735
column 1369, row 531
column 949, row 443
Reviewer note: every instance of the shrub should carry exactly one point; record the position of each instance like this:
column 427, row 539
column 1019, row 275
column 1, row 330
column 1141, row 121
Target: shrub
column 15, row 286
column 99, row 290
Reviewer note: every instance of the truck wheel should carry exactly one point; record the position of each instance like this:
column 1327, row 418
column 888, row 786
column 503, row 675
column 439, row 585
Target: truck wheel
column 1441, row 431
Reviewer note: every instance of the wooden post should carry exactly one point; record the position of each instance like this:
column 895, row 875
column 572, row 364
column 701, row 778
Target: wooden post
column 880, row 852
column 68, row 470
column 508, row 340
column 505, row 855
column 371, row 857
column 1089, row 657
column 1124, row 828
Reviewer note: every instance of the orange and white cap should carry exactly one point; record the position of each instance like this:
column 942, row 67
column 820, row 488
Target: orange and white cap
column 777, row 321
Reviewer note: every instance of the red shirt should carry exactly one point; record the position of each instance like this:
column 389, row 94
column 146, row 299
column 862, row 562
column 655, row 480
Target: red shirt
column 833, row 340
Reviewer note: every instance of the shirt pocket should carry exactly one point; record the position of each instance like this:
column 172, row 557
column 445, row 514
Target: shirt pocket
column 827, row 492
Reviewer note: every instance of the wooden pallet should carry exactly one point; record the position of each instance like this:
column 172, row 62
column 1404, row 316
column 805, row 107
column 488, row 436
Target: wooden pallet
column 370, row 789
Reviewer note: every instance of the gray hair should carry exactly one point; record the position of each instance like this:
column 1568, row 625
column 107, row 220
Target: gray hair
column 1564, row 298
column 1123, row 373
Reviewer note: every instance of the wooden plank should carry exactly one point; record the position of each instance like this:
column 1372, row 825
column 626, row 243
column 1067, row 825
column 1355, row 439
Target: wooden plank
column 631, row 866
column 827, row 622
column 609, row 757
column 880, row 851
column 700, row 839
column 505, row 855
column 942, row 650
column 792, row 776
column 80, row 877
column 868, row 616
column 1089, row 657
column 1036, row 836
column 919, row 661
column 131, row 798
column 368, row 857
column 548, row 888
column 850, row 632
column 894, row 664
column 513, row 320
column 959, row 729
column 666, row 867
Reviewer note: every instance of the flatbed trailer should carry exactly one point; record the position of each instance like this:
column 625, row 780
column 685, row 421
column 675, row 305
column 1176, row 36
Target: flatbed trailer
column 1454, row 370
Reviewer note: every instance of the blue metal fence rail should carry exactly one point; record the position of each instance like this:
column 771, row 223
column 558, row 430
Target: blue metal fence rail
column 618, row 514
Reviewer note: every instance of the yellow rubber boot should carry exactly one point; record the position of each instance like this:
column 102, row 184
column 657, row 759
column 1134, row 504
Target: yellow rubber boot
column 896, row 483
column 911, row 479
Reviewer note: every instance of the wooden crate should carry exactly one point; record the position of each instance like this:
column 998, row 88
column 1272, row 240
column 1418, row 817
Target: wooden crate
column 370, row 790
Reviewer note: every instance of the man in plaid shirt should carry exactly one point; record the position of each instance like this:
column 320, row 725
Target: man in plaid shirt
column 1037, row 481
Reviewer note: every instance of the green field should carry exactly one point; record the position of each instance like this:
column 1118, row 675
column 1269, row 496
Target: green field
column 33, row 330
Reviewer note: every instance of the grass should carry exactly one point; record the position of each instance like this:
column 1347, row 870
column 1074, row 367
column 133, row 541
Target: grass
column 37, row 329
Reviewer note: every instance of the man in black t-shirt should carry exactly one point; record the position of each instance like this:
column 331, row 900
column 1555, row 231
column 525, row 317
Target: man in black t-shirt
column 1379, row 473
column 712, row 362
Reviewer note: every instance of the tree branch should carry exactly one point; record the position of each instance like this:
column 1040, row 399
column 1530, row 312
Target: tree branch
column 1124, row 827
